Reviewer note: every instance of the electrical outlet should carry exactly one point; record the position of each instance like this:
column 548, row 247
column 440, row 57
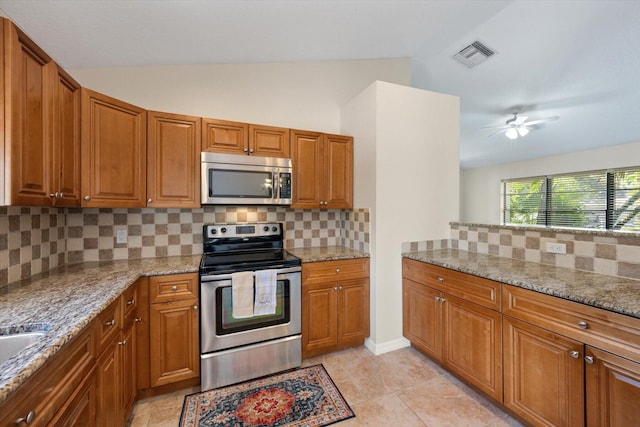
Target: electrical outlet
column 556, row 248
column 121, row 236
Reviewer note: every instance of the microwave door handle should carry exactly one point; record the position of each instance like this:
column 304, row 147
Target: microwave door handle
column 276, row 185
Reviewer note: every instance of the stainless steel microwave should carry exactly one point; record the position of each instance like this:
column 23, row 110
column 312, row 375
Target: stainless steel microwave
column 234, row 179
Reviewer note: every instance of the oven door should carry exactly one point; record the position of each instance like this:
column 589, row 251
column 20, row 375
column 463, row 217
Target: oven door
column 219, row 330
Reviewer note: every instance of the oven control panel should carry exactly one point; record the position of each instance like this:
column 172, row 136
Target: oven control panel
column 242, row 230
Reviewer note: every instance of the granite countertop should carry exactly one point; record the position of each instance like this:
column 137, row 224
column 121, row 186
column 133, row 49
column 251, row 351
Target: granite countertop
column 326, row 253
column 65, row 300
column 611, row 293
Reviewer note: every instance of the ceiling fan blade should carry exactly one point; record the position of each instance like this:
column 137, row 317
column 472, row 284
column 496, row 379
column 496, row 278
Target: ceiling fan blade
column 495, row 127
column 538, row 121
column 520, row 120
column 498, row 132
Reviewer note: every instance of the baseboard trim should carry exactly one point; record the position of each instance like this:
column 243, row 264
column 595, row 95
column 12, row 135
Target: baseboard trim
column 386, row 347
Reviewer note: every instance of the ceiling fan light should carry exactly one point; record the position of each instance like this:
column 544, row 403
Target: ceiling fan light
column 512, row 133
column 522, row 131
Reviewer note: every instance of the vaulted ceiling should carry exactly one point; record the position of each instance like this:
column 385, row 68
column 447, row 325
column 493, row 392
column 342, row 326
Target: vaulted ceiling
column 579, row 60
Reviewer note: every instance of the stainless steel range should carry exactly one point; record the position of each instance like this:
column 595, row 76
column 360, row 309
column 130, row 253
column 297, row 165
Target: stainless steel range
column 250, row 288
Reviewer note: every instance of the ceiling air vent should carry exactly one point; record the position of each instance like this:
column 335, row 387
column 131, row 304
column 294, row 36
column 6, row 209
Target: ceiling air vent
column 474, row 54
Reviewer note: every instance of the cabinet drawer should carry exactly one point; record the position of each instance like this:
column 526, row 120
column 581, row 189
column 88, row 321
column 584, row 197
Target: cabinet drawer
column 176, row 287
column 471, row 288
column 50, row 387
column 109, row 322
column 130, row 302
column 330, row 271
column 600, row 328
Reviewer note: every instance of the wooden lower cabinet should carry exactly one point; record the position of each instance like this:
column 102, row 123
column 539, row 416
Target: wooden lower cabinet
column 335, row 313
column 543, row 375
column 81, row 408
column 174, row 346
column 613, row 390
column 109, row 376
column 422, row 319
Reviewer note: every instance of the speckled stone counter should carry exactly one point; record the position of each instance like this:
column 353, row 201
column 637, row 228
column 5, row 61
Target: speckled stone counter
column 64, row 301
column 608, row 292
column 326, row 253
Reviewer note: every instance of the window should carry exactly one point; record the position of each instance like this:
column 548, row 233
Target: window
column 597, row 199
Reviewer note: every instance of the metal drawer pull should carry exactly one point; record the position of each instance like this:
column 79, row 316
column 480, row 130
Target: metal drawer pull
column 575, row 354
column 138, row 319
column 583, row 324
column 122, row 342
column 131, row 302
column 195, row 307
column 28, row 419
column 337, row 270
column 441, row 279
column 174, row 288
column 110, row 323
column 589, row 359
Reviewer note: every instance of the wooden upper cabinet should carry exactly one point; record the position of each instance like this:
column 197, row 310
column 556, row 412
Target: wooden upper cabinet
column 269, row 141
column 114, row 136
column 306, row 155
column 322, row 169
column 173, row 160
column 338, row 167
column 28, row 127
column 66, row 139
column 221, row 136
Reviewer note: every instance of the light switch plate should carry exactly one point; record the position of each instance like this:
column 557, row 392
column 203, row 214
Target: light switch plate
column 121, row 236
column 556, row 248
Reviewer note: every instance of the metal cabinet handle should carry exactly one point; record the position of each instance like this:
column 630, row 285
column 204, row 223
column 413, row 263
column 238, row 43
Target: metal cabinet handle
column 440, row 279
column 589, row 360
column 337, row 270
column 335, row 288
column 52, row 195
column 583, row 324
column 28, row 419
column 138, row 319
column 195, row 307
column 87, row 198
column 575, row 354
column 122, row 342
column 149, row 201
column 110, row 323
column 251, row 150
column 174, row 288
column 246, row 150
column 61, row 195
column 131, row 301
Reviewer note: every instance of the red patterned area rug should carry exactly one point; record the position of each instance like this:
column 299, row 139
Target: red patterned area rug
column 306, row 397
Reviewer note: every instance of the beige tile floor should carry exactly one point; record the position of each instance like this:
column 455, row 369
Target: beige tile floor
column 400, row 388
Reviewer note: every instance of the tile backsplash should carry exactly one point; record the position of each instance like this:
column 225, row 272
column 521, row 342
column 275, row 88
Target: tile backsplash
column 603, row 252
column 32, row 240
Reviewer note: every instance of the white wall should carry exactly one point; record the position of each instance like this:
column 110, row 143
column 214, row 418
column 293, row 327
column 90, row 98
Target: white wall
column 302, row 95
column 480, row 187
column 412, row 194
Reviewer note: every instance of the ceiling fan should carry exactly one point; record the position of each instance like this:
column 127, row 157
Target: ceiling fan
column 518, row 126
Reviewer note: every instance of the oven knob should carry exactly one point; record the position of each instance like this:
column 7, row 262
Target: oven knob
column 214, row 231
column 266, row 228
column 223, row 230
column 274, row 229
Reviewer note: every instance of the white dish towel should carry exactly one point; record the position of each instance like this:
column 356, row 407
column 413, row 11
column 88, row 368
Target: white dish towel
column 265, row 293
column 242, row 294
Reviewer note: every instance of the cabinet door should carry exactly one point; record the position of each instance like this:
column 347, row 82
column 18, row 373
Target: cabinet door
column 174, row 346
column 613, row 390
column 114, row 150
column 353, row 311
column 221, row 136
column 543, row 375
column 306, row 156
column 268, row 141
column 29, row 128
column 142, row 334
column 66, row 140
column 173, row 161
column 319, row 318
column 129, row 368
column 472, row 344
column 108, row 376
column 80, row 409
column 422, row 318
column 338, row 169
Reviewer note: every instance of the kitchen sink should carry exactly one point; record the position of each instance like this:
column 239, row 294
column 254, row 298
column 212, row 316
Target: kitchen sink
column 12, row 344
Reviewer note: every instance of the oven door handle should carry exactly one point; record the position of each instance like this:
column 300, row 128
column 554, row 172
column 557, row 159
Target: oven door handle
column 227, row 276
